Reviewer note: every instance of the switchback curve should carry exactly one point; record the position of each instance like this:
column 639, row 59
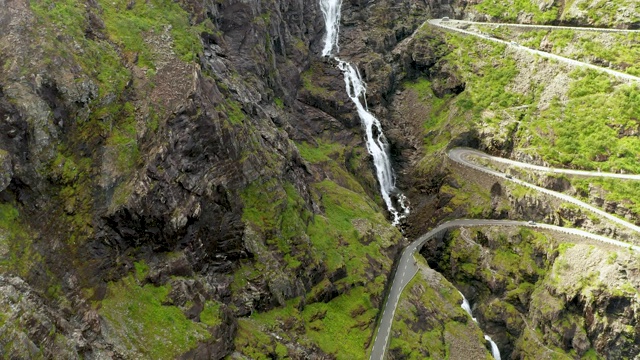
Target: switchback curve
column 407, row 268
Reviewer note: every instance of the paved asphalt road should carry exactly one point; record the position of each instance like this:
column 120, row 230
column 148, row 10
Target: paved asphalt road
column 550, row 27
column 461, row 156
column 447, row 25
column 407, row 268
column 551, row 170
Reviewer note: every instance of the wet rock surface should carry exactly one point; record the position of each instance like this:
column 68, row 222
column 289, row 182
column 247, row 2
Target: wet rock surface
column 157, row 166
column 543, row 297
column 104, row 181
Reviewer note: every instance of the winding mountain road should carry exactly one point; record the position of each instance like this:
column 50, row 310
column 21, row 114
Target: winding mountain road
column 460, row 152
column 541, row 27
column 461, row 156
column 447, row 25
column 407, row 267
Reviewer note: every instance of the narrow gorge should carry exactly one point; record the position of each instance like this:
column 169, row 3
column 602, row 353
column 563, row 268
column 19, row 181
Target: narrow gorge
column 278, row 179
column 377, row 144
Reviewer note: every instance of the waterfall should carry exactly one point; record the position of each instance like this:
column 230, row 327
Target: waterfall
column 467, row 307
column 377, row 144
column 494, row 348
column 331, row 12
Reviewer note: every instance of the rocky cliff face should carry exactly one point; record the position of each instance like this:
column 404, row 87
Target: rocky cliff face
column 134, row 130
column 536, row 299
column 431, row 324
column 503, row 262
column 186, row 157
column 188, row 179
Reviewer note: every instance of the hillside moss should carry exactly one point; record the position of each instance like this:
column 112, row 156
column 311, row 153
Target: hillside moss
column 486, row 88
column 429, row 320
column 590, row 125
column 309, row 82
column 617, row 51
column 17, row 254
column 582, row 132
column 127, row 22
column 348, row 236
column 323, row 151
column 337, row 234
column 280, row 214
column 601, row 13
column 529, row 275
column 622, row 192
column 582, row 12
column 348, row 317
column 138, row 318
column 509, row 11
column 210, row 315
column 233, row 110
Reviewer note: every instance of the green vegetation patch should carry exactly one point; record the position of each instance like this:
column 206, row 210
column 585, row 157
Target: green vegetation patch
column 336, row 237
column 137, row 317
column 623, row 192
column 433, row 140
column 127, row 21
column 587, row 132
column 529, row 345
column 98, row 58
column 234, row 112
column 602, row 13
column 69, row 15
column 511, row 263
column 310, row 82
column 428, row 319
column 469, row 199
column 535, row 275
column 591, row 124
column 73, row 174
column 17, row 254
column 128, row 26
column 617, row 51
column 348, row 236
column 253, row 342
column 509, row 11
column 348, row 317
column 585, row 12
column 337, row 161
column 210, row 315
column 322, row 152
column 487, row 70
column 123, row 140
column 281, row 215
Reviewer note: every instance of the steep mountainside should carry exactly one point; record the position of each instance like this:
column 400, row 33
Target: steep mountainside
column 188, row 179
column 171, row 167
column 527, row 294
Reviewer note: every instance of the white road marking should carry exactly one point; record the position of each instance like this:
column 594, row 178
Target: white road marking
column 398, row 284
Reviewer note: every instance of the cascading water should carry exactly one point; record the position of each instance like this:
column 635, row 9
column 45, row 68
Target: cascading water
column 467, row 307
column 331, row 11
column 494, row 347
column 356, row 88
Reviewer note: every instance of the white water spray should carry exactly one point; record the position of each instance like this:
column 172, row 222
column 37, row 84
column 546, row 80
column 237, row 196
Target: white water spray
column 467, row 307
column 494, row 347
column 377, row 144
column 331, row 11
